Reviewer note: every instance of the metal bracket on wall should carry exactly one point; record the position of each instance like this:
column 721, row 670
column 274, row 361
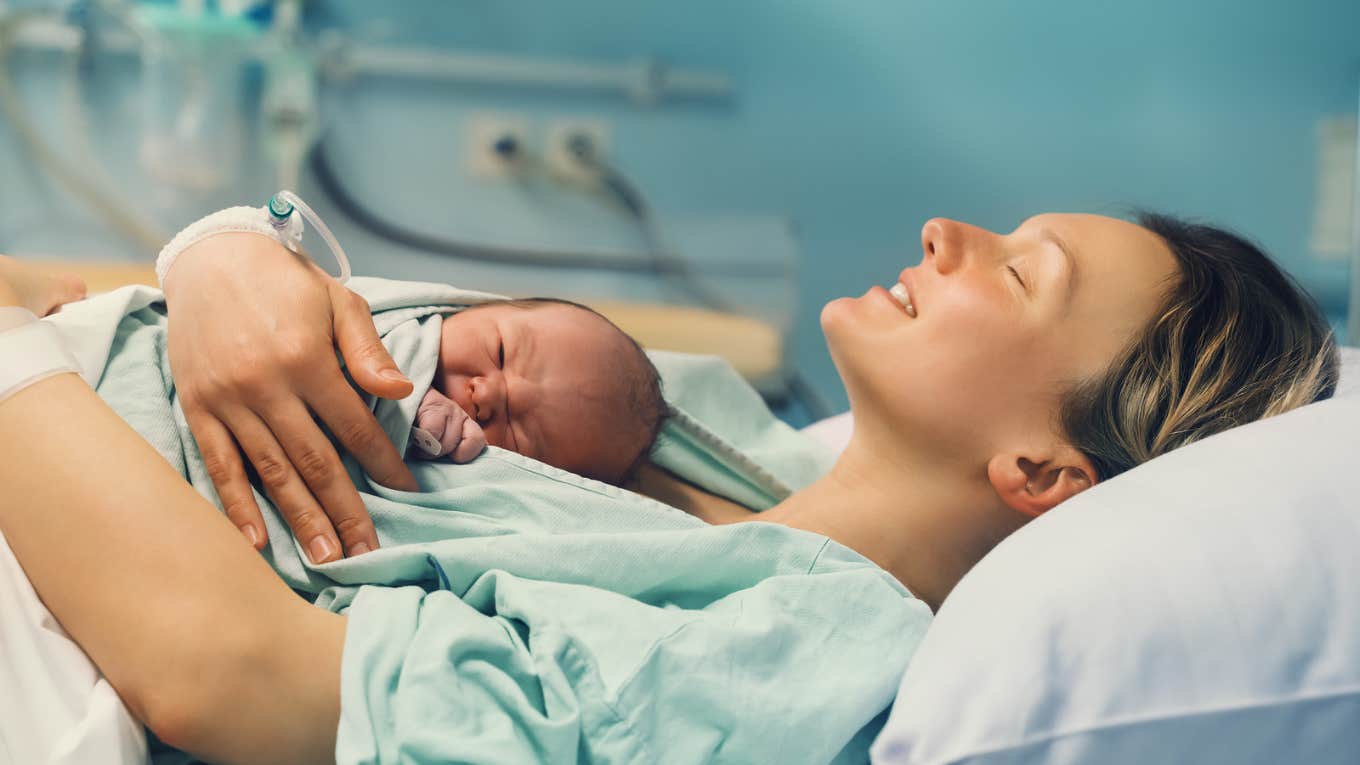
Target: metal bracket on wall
column 645, row 81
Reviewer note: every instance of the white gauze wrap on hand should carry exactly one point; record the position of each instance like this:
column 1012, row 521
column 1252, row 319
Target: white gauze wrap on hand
column 30, row 350
column 239, row 220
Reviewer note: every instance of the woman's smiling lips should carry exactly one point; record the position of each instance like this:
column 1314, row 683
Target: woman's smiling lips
column 905, row 292
column 892, row 297
column 900, row 294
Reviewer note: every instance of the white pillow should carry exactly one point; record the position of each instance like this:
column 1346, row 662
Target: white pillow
column 1202, row 608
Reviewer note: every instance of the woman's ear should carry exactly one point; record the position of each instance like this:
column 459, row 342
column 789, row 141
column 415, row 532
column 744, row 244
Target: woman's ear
column 1034, row 486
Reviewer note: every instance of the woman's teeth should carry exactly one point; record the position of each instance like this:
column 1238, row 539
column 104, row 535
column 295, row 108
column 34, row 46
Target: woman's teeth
column 899, row 292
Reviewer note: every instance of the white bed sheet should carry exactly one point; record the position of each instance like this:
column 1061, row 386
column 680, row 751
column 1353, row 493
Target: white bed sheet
column 55, row 707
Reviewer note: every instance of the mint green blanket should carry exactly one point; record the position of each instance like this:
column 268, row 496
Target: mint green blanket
column 518, row 613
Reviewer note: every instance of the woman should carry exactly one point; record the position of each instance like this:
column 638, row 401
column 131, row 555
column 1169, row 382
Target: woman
column 1027, row 368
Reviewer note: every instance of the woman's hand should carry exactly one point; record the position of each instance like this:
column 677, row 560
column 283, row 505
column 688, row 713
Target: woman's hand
column 253, row 330
column 25, row 286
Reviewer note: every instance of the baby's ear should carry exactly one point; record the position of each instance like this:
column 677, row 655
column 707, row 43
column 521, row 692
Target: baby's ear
column 1032, row 485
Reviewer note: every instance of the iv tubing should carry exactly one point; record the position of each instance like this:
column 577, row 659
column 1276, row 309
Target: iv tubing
column 295, row 202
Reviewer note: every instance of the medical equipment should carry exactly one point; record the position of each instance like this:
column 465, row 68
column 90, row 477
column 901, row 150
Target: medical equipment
column 694, row 283
column 32, row 351
column 193, row 130
column 281, row 208
column 192, row 114
column 278, row 220
column 84, row 177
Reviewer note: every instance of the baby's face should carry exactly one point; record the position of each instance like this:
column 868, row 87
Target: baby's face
column 541, row 381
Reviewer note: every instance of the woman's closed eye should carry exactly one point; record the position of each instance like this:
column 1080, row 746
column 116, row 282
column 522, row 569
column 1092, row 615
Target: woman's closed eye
column 1016, row 274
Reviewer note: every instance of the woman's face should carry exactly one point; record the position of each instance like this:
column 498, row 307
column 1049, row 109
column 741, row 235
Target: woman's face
column 1003, row 324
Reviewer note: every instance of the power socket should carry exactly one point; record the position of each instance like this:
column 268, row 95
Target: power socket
column 497, row 146
column 567, row 140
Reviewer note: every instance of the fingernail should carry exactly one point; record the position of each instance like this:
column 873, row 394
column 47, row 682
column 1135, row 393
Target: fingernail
column 320, row 549
column 251, row 534
column 393, row 376
column 360, row 549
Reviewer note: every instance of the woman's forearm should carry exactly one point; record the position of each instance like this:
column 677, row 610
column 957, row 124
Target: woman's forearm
column 199, row 636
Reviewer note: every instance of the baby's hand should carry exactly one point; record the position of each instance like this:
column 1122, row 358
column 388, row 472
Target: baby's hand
column 443, row 428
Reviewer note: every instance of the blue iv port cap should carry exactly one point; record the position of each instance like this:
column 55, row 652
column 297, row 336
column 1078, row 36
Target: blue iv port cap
column 279, row 208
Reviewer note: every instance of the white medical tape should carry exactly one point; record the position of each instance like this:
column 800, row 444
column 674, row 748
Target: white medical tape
column 233, row 220
column 30, row 351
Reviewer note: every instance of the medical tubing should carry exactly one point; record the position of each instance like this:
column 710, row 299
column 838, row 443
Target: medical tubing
column 675, row 271
column 632, row 199
column 321, row 228
column 349, row 206
column 655, row 260
column 120, row 215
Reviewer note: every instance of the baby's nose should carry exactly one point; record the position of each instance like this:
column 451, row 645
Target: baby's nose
column 486, row 396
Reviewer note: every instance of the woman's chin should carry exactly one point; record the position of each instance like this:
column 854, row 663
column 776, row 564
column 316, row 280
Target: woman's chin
column 837, row 318
column 835, row 311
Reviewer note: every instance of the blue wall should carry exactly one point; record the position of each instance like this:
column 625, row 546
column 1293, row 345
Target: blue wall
column 855, row 120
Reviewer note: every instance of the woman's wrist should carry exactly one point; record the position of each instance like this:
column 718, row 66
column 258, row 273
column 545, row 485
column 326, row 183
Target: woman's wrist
column 231, row 257
column 244, row 220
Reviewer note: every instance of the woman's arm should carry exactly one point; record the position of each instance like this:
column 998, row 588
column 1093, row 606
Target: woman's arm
column 203, row 641
column 205, row 644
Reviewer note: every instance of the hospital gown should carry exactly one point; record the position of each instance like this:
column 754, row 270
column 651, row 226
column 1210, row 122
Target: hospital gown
column 520, row 613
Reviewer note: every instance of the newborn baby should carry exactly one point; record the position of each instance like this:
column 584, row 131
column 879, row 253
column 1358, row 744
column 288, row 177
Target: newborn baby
column 549, row 379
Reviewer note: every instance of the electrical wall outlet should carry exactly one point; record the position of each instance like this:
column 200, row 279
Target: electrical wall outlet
column 567, row 141
column 497, row 146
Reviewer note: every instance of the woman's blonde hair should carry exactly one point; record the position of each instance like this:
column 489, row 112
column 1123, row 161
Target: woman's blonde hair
column 1235, row 340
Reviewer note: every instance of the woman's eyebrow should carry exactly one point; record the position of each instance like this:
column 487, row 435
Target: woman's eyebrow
column 1053, row 237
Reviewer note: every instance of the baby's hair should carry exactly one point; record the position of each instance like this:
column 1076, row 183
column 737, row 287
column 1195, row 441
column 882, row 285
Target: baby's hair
column 641, row 382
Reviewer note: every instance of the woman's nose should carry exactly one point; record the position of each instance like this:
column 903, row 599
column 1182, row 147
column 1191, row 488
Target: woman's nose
column 946, row 244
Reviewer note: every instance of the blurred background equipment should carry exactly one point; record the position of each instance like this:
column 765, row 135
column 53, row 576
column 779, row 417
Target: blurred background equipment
column 718, row 169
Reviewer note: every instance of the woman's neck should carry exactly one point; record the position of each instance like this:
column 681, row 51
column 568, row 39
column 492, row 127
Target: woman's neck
column 889, row 511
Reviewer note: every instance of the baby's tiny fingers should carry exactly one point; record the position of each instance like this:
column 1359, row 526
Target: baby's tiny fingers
column 432, row 417
column 472, row 443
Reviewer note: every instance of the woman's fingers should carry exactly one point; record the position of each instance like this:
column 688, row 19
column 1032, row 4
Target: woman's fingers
column 223, row 464
column 285, row 486
column 365, row 356
column 37, row 288
column 64, row 288
column 358, row 431
column 321, row 469
column 252, row 334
